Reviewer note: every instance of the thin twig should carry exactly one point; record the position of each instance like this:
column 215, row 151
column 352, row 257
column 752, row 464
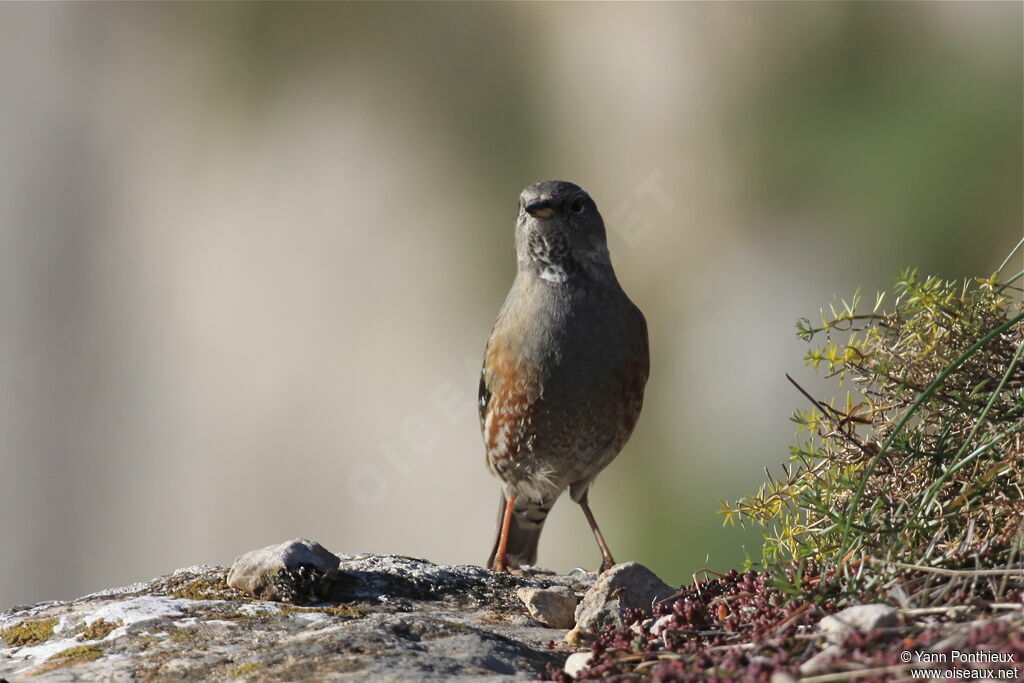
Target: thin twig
column 788, row 620
column 831, row 414
column 951, row 572
column 851, row 675
column 734, row 646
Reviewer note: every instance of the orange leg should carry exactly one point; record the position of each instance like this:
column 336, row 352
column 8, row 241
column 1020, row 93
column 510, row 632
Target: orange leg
column 506, row 522
column 606, row 555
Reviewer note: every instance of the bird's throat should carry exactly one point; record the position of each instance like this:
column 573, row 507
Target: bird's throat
column 551, row 257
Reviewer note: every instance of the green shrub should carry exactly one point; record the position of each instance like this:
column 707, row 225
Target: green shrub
column 922, row 461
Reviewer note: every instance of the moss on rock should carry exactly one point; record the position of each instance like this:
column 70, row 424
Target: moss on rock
column 244, row 669
column 28, row 632
column 69, row 657
column 98, row 630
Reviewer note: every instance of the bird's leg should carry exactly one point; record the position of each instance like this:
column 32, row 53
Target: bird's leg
column 606, row 555
column 506, row 522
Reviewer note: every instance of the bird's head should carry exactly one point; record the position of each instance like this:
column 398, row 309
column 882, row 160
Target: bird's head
column 559, row 232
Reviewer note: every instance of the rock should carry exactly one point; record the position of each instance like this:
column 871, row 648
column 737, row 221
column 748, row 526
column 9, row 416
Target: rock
column 297, row 571
column 554, row 607
column 860, row 618
column 657, row 627
column 616, row 590
column 836, row 626
column 577, row 662
column 822, row 662
column 401, row 619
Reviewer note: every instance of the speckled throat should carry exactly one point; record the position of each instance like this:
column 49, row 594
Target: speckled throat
column 552, row 256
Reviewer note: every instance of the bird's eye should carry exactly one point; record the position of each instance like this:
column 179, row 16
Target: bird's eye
column 577, row 205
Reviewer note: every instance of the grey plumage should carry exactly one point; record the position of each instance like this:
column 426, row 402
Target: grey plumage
column 565, row 365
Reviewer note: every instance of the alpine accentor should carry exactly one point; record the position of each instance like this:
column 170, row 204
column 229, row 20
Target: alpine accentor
column 564, row 369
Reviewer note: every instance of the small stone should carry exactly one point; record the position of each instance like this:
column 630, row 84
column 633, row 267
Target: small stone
column 624, row 586
column 577, row 662
column 661, row 624
column 820, row 663
column 836, row 626
column 297, row 571
column 554, row 607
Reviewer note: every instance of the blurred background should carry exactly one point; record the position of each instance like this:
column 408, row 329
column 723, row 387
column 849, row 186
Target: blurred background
column 250, row 255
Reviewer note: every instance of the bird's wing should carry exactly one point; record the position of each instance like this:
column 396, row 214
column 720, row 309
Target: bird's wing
column 510, row 392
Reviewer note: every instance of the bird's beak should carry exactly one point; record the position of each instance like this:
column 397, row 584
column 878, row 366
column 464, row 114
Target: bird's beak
column 539, row 208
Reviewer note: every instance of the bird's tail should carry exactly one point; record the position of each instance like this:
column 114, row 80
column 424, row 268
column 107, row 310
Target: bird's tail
column 523, row 532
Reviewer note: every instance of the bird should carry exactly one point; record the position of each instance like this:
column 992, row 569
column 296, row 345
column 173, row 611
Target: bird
column 564, row 370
